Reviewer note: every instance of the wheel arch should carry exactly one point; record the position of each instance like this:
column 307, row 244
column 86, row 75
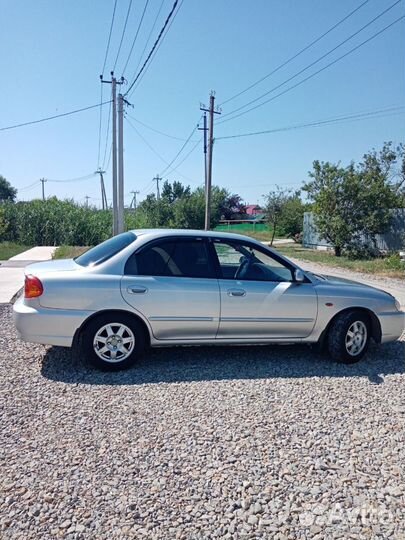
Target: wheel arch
column 83, row 326
column 375, row 324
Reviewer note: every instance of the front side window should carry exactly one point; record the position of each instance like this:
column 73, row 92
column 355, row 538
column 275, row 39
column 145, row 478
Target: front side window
column 176, row 258
column 242, row 261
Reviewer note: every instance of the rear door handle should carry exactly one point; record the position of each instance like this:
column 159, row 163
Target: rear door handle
column 236, row 292
column 137, row 290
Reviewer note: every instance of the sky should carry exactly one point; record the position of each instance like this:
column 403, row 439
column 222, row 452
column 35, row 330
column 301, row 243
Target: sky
column 53, row 54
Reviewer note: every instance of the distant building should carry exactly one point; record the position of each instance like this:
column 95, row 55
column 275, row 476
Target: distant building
column 253, row 210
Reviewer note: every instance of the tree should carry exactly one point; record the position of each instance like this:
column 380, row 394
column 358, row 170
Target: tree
column 291, row 221
column 180, row 208
column 7, row 192
column 175, row 191
column 232, row 207
column 3, row 223
column 326, row 190
column 275, row 202
column 153, row 212
column 352, row 204
column 189, row 212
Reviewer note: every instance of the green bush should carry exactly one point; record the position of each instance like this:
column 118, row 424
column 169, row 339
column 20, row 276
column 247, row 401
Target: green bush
column 394, row 262
column 54, row 222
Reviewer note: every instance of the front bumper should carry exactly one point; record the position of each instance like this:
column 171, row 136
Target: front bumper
column 47, row 326
column 392, row 325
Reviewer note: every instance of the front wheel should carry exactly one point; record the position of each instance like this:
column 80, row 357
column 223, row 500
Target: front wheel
column 349, row 337
column 113, row 342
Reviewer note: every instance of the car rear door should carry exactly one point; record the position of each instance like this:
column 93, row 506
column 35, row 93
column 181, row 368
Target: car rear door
column 173, row 284
column 264, row 301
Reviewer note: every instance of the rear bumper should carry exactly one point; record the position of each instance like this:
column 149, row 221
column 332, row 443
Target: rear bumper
column 392, row 325
column 47, row 326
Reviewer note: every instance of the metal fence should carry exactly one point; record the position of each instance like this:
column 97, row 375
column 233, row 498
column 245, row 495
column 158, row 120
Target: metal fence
column 392, row 240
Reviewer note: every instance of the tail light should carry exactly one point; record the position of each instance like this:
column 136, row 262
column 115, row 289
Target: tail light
column 32, row 287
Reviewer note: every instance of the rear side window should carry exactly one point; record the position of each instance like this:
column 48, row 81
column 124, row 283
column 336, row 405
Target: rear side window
column 106, row 250
column 176, row 258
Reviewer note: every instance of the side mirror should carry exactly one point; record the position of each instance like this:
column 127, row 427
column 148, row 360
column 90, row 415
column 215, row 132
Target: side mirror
column 299, row 276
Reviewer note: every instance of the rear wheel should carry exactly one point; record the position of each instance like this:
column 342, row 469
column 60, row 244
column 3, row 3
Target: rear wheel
column 349, row 337
column 113, row 341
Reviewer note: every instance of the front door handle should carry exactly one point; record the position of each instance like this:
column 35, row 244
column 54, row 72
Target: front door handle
column 236, row 292
column 137, row 290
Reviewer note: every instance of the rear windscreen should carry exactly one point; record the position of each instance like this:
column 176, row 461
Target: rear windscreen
column 106, row 250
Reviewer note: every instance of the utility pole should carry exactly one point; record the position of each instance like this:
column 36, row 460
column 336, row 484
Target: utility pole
column 114, row 154
column 208, row 186
column 43, row 188
column 116, row 217
column 133, row 202
column 102, row 186
column 205, row 129
column 121, row 219
column 158, row 179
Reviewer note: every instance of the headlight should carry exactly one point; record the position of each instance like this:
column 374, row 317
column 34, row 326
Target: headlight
column 397, row 305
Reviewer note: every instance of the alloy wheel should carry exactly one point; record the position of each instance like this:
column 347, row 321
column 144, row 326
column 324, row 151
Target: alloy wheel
column 356, row 338
column 114, row 342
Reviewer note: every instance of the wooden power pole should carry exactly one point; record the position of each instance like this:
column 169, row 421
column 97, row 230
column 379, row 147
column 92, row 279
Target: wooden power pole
column 208, row 186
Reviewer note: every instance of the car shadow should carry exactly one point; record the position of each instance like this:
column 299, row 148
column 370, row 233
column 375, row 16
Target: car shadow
column 192, row 364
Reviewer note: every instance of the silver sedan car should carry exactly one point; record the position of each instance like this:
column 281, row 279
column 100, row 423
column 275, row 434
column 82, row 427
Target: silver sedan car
column 154, row 288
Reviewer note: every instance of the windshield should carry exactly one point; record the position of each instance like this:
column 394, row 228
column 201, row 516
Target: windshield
column 106, row 250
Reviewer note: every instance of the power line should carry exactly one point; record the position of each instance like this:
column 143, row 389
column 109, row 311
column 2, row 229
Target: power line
column 184, row 159
column 109, row 37
column 155, row 130
column 314, row 62
column 158, row 47
column 136, row 36
column 101, row 91
column 157, row 153
column 316, row 72
column 351, row 117
column 107, row 135
column 146, row 142
column 180, row 151
column 297, row 54
column 154, row 46
column 123, row 33
column 146, row 188
column 30, row 186
column 150, row 35
column 99, row 124
column 78, row 179
column 53, row 117
column 109, row 157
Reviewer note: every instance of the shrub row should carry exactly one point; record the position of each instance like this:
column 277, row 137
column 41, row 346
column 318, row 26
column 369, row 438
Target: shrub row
column 53, row 222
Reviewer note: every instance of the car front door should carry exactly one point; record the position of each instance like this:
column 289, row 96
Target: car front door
column 259, row 297
column 173, row 284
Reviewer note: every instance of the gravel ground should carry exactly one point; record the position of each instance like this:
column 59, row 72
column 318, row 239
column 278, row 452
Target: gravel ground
column 248, row 442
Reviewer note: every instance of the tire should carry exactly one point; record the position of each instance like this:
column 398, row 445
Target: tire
column 112, row 342
column 349, row 337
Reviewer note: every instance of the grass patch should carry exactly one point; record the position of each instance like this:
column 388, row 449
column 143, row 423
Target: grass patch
column 9, row 249
column 388, row 266
column 68, row 252
column 258, row 231
column 263, row 236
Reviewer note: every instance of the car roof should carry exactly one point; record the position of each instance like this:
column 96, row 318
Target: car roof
column 156, row 233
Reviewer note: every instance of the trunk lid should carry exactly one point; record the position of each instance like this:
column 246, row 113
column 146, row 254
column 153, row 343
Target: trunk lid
column 62, row 265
